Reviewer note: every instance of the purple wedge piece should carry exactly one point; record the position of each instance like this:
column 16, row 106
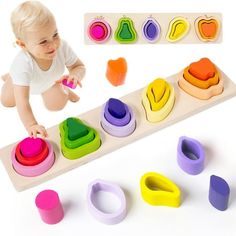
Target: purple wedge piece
column 219, row 193
column 116, row 108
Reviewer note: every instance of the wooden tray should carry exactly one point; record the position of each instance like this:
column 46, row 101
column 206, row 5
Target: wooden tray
column 185, row 106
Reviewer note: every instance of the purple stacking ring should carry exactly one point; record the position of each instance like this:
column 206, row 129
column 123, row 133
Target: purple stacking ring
column 114, row 120
column 190, row 155
column 104, row 217
column 119, row 131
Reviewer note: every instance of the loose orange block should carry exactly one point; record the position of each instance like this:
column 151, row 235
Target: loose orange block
column 116, row 71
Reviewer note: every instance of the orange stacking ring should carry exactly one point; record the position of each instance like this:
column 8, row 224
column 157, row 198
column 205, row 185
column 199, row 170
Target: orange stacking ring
column 203, row 84
column 34, row 160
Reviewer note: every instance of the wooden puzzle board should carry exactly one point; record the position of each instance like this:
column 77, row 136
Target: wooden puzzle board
column 162, row 18
column 185, row 106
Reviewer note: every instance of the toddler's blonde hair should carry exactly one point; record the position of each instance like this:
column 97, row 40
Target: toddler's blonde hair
column 28, row 16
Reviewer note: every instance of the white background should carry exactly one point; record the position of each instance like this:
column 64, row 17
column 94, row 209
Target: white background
column 214, row 128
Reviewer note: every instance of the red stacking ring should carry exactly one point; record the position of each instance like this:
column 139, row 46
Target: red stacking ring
column 34, row 160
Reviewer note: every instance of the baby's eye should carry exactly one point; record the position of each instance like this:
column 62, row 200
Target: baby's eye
column 43, row 42
column 55, row 35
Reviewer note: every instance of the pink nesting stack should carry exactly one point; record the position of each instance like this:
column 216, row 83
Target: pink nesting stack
column 32, row 157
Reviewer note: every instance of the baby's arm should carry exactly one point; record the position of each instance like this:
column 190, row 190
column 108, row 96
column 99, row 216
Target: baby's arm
column 25, row 112
column 78, row 69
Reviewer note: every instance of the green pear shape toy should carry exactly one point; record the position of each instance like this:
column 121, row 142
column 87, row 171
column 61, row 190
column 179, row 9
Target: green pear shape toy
column 125, row 32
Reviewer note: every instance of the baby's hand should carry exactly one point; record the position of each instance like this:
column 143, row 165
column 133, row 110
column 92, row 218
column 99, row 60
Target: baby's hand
column 35, row 129
column 71, row 80
column 75, row 79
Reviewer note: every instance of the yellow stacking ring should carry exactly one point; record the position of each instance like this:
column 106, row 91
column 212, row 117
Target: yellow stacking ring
column 158, row 93
column 156, row 190
column 158, row 100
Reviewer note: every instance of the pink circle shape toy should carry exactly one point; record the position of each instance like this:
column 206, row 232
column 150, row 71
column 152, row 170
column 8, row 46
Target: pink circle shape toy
column 34, row 170
column 31, row 146
column 99, row 31
column 49, row 206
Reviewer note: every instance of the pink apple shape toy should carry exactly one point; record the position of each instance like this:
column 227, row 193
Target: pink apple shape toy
column 49, row 206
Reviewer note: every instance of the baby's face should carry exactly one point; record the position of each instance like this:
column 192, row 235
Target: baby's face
column 43, row 42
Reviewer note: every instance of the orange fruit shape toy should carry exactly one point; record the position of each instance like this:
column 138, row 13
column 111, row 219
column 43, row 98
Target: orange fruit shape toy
column 202, row 69
column 116, row 71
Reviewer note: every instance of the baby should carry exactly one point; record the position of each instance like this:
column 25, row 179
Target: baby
column 39, row 66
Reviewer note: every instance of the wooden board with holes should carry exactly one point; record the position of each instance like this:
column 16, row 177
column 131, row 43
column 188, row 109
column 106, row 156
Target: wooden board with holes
column 199, row 24
column 185, row 106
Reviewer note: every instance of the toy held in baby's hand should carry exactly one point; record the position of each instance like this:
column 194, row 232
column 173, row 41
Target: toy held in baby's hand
column 68, row 83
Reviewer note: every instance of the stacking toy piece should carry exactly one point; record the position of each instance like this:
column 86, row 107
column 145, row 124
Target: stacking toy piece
column 190, row 155
column 105, row 217
column 219, row 192
column 32, row 157
column 99, row 31
column 117, row 118
column 78, row 139
column 125, row 32
column 158, row 100
column 204, row 69
column 30, row 147
column 49, row 206
column 202, row 80
column 116, row 71
column 178, row 29
column 158, row 190
column 70, row 84
column 151, row 30
column 207, row 28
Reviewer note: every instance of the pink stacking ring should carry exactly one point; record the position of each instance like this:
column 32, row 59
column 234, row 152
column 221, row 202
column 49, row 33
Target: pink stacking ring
column 35, row 170
column 104, row 217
